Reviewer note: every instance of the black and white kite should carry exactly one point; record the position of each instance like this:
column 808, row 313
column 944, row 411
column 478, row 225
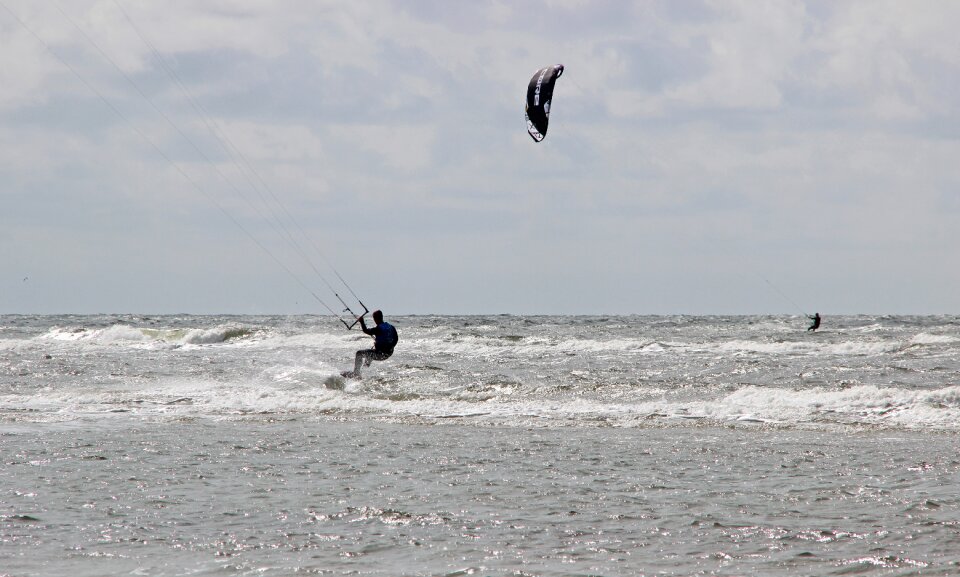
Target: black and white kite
column 539, row 96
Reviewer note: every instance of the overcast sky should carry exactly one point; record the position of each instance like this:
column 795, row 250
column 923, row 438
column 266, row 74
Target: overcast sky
column 702, row 157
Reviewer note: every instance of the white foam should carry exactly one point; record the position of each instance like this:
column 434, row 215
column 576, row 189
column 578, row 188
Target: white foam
column 126, row 334
column 319, row 390
column 841, row 348
column 928, row 339
column 862, row 404
column 492, row 373
column 217, row 334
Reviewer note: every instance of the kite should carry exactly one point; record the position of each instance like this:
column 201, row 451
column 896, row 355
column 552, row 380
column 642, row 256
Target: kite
column 539, row 96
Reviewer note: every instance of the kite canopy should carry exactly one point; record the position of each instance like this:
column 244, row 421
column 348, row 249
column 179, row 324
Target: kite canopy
column 539, row 96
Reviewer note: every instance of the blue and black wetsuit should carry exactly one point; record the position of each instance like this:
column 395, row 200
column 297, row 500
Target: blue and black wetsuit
column 385, row 339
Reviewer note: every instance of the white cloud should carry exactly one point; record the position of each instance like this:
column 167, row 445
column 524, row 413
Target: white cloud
column 685, row 137
column 886, row 55
column 401, row 147
column 750, row 53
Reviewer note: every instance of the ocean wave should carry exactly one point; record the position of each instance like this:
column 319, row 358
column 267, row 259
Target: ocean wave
column 112, row 334
column 855, row 405
column 125, row 334
column 563, row 372
column 220, row 334
column 931, row 339
column 485, row 347
column 320, row 391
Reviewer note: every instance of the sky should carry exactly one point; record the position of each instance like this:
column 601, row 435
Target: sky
column 715, row 157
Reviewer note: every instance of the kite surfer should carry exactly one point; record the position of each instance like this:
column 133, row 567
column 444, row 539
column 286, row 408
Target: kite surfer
column 385, row 338
column 816, row 322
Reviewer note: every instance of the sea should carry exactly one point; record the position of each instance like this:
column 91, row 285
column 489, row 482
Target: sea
column 185, row 445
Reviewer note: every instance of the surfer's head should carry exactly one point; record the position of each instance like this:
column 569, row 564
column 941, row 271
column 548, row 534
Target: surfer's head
column 377, row 316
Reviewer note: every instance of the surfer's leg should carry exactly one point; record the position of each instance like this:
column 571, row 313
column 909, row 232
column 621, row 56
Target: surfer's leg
column 374, row 355
column 358, row 361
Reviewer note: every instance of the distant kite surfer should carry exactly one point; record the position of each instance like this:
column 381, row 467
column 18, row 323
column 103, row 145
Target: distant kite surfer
column 816, row 322
column 385, row 338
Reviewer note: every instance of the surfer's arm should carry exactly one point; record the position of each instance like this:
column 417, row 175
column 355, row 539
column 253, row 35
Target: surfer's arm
column 363, row 326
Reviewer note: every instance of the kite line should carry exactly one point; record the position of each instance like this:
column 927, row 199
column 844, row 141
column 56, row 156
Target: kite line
column 242, row 164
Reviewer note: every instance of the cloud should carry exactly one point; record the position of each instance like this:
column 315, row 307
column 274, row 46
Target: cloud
column 884, row 56
column 399, row 147
column 686, row 140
